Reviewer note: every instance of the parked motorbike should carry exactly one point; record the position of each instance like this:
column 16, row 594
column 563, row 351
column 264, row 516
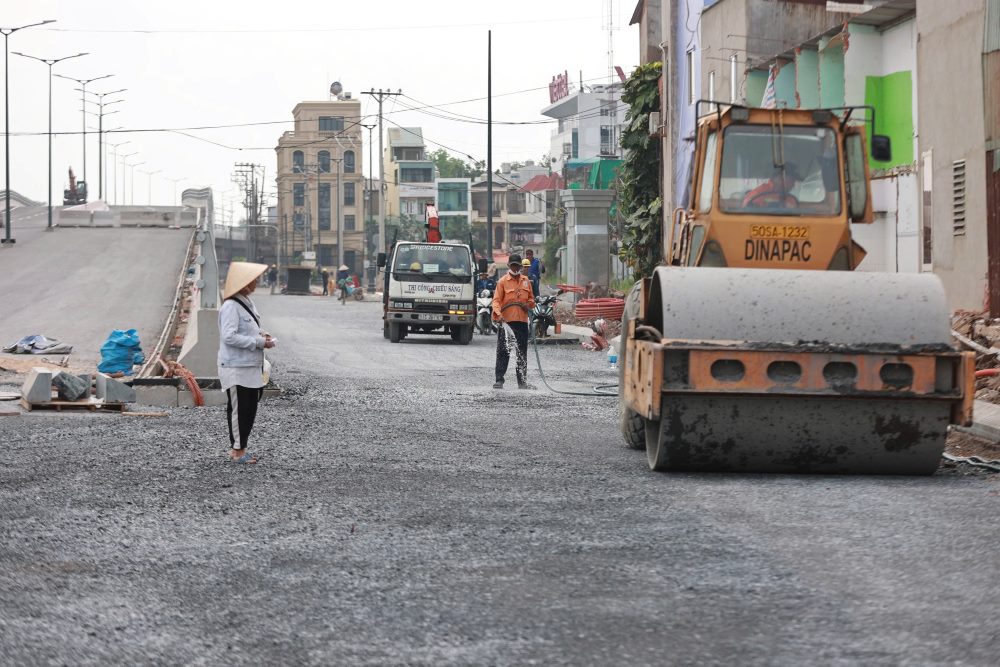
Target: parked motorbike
column 347, row 289
column 543, row 315
column 484, row 313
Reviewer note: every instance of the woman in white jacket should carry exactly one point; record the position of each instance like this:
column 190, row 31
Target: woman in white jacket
column 241, row 355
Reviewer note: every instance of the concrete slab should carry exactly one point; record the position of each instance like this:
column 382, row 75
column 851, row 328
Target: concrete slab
column 156, row 395
column 76, row 285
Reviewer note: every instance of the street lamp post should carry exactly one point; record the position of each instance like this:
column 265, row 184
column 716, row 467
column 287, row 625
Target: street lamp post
column 114, row 172
column 7, row 32
column 175, row 181
column 131, row 178
column 366, row 201
column 100, row 132
column 50, row 62
column 124, row 165
column 149, row 185
column 83, row 112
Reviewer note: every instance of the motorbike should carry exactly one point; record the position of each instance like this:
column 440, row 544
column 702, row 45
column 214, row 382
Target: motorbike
column 347, row 289
column 484, row 312
column 543, row 315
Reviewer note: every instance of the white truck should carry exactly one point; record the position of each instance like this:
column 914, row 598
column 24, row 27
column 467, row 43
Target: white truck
column 429, row 289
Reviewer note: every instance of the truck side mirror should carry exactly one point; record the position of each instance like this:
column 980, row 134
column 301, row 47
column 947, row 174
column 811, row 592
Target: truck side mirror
column 380, row 261
column 881, row 148
column 484, row 266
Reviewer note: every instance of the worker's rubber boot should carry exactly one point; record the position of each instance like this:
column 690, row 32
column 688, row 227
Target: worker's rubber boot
column 498, row 384
column 525, row 385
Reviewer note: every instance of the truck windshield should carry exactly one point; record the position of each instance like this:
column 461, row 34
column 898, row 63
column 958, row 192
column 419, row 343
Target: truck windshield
column 780, row 171
column 433, row 259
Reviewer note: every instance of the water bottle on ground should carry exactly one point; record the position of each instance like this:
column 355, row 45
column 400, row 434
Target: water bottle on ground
column 612, row 357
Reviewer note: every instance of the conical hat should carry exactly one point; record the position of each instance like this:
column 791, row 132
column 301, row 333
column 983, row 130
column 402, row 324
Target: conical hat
column 343, row 267
column 240, row 275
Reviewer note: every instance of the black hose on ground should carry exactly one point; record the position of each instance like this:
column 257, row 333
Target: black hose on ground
column 598, row 391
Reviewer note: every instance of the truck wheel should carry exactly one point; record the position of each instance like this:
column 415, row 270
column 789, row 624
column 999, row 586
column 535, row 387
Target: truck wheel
column 385, row 330
column 395, row 332
column 465, row 335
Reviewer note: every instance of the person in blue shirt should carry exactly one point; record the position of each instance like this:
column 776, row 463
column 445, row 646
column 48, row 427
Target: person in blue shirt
column 535, row 270
column 485, row 282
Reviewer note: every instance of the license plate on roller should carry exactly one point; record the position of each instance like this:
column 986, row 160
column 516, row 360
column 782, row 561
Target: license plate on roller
column 779, row 232
column 427, row 317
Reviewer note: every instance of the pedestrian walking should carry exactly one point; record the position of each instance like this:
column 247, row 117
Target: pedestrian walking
column 325, row 275
column 512, row 302
column 272, row 278
column 535, row 270
column 242, row 365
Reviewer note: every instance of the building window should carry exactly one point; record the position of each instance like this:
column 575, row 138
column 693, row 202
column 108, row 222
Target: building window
column 331, row 123
column 299, row 194
column 575, row 153
column 299, row 219
column 323, row 157
column 413, row 175
column 298, row 162
column 607, row 140
column 607, row 107
column 325, row 255
column 324, row 206
column 690, row 76
column 958, row 197
column 567, row 150
column 348, row 194
column 732, row 78
column 348, row 162
column 348, row 223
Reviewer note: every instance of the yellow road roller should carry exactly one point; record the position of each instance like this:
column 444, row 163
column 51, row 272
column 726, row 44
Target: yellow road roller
column 755, row 346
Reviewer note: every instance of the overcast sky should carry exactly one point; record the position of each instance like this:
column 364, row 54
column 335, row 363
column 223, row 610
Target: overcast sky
column 190, row 63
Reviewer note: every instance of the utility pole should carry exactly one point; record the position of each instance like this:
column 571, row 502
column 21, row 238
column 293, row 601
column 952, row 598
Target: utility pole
column 489, row 145
column 365, row 207
column 380, row 97
column 250, row 177
column 666, row 113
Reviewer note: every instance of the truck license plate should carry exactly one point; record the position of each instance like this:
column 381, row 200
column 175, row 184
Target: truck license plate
column 778, row 232
column 427, row 317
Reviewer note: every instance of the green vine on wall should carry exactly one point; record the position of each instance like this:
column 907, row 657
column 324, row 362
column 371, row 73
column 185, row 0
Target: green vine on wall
column 639, row 193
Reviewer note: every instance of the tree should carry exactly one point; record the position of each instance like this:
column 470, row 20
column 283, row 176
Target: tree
column 449, row 166
column 640, row 199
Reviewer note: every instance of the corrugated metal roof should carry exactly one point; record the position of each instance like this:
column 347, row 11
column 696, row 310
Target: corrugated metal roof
column 991, row 37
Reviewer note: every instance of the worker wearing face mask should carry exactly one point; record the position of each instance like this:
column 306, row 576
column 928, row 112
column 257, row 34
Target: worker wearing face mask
column 512, row 301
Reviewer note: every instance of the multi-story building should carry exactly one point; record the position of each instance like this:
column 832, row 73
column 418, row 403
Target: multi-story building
column 589, row 122
column 409, row 175
column 320, row 184
column 454, row 205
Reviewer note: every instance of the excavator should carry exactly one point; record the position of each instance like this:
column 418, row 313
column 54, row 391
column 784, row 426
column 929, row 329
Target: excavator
column 755, row 346
column 76, row 193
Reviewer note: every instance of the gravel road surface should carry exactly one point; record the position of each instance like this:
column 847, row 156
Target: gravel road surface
column 406, row 513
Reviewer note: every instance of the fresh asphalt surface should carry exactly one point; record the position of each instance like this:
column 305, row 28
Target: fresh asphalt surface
column 406, row 513
column 77, row 284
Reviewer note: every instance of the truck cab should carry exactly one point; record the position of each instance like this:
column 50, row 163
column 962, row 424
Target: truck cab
column 429, row 289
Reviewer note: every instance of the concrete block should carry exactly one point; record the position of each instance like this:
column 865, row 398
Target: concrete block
column 112, row 391
column 160, row 395
column 213, row 397
column 37, row 387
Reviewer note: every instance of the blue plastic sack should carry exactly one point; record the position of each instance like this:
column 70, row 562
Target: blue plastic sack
column 121, row 351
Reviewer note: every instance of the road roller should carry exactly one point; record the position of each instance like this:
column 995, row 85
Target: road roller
column 755, row 346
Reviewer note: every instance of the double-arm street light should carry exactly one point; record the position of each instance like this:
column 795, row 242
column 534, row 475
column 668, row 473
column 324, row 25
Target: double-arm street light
column 131, row 178
column 83, row 113
column 50, row 62
column 149, row 184
column 175, row 181
column 100, row 132
column 114, row 177
column 125, row 158
column 7, row 32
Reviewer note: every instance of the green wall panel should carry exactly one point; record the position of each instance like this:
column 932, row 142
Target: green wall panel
column 892, row 97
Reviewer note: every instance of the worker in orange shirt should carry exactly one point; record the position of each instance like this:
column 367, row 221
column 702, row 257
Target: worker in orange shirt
column 512, row 301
